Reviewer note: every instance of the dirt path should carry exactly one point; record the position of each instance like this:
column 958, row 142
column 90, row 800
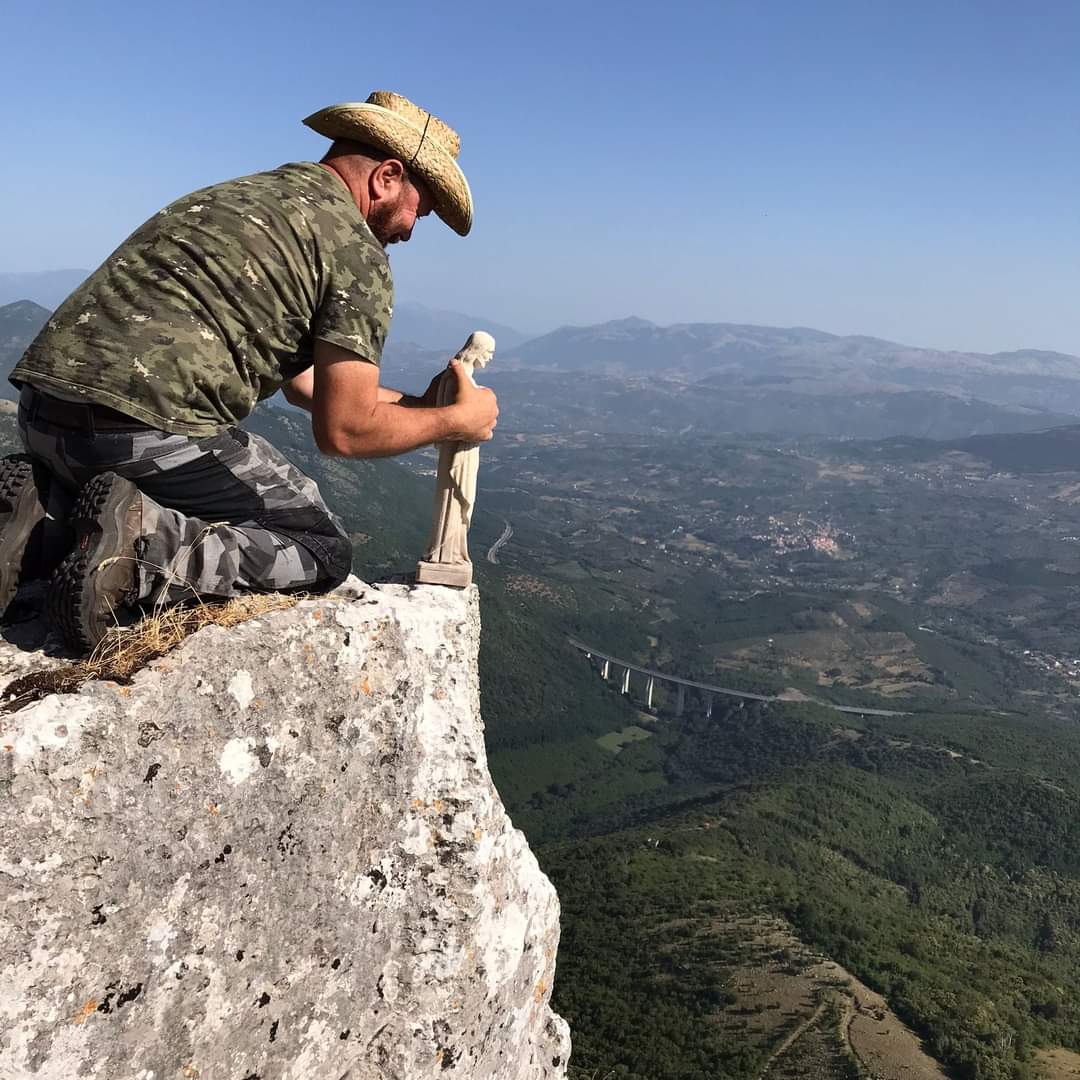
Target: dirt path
column 793, row 1038
column 882, row 1044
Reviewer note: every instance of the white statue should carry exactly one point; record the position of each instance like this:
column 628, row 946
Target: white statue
column 447, row 559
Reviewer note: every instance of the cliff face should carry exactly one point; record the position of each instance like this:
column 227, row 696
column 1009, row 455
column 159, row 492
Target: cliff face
column 278, row 854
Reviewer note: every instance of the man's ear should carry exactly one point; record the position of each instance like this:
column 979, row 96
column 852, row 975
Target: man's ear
column 386, row 179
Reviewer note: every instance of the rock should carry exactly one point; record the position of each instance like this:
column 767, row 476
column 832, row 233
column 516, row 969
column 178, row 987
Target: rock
column 29, row 643
column 277, row 854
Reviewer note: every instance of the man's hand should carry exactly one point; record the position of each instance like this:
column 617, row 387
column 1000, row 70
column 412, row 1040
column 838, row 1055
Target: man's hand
column 476, row 407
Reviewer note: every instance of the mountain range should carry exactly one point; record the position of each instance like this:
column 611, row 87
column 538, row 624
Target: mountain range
column 632, row 375
column 720, row 353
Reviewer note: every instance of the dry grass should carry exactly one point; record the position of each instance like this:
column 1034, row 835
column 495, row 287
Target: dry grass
column 129, row 649
column 1057, row 1064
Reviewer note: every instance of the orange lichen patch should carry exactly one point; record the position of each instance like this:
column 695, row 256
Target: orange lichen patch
column 86, row 1012
column 213, row 808
column 189, row 1072
column 316, row 614
column 366, row 686
column 541, row 992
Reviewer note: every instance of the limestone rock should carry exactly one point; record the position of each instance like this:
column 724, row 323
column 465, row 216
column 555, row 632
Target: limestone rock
column 277, row 854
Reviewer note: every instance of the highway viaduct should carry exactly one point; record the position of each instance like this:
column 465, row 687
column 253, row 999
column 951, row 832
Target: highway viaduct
column 605, row 662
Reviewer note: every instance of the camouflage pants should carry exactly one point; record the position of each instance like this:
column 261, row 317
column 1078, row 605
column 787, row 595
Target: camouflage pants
column 222, row 515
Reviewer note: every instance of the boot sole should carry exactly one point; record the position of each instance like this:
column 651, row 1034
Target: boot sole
column 98, row 515
column 17, row 488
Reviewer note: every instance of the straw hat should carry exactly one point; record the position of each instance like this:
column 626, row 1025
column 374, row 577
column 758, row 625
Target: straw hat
column 422, row 142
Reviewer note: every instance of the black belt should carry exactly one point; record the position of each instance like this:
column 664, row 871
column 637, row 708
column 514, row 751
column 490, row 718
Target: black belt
column 75, row 416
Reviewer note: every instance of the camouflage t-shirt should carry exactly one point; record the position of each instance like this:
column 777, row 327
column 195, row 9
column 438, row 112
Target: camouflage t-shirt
column 216, row 301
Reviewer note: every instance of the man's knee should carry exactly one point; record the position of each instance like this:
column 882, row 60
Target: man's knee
column 332, row 552
column 336, row 564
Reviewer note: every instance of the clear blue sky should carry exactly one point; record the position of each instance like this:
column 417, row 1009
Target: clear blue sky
column 909, row 170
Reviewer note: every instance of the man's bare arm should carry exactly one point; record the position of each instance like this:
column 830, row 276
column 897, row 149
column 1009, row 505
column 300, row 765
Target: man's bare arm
column 352, row 416
column 300, row 391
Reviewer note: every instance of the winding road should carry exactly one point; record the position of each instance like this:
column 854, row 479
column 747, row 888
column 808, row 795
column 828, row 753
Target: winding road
column 493, row 551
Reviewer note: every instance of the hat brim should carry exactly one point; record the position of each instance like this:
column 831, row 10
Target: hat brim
column 388, row 130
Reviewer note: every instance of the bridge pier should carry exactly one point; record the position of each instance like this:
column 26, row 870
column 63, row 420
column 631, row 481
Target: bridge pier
column 626, row 681
column 680, row 701
column 650, row 685
column 604, row 669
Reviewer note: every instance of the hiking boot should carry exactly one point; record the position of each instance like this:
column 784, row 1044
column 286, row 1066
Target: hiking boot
column 22, row 517
column 101, row 575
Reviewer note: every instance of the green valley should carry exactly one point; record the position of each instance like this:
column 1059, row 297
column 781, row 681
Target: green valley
column 779, row 889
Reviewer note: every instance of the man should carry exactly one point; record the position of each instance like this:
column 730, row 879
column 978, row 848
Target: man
column 132, row 391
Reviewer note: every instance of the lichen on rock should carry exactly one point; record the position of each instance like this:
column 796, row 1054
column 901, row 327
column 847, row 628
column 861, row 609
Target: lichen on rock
column 277, row 853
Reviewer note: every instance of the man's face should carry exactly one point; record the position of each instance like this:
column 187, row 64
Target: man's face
column 393, row 215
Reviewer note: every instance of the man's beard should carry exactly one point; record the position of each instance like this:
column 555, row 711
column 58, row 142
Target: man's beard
column 381, row 222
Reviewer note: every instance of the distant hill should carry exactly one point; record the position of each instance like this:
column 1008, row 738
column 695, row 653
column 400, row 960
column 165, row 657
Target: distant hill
column 767, row 376
column 637, row 346
column 704, row 350
column 805, row 361
column 19, row 324
column 1055, row 449
column 21, row 321
column 48, row 288
column 432, row 328
column 556, row 402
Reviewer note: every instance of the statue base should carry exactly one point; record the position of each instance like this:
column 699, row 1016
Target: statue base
column 457, row 575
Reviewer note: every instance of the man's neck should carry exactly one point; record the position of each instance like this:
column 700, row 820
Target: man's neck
column 356, row 184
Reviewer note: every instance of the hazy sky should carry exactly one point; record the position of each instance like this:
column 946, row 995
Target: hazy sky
column 909, row 170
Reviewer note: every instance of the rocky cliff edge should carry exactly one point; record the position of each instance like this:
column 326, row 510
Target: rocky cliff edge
column 276, row 855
